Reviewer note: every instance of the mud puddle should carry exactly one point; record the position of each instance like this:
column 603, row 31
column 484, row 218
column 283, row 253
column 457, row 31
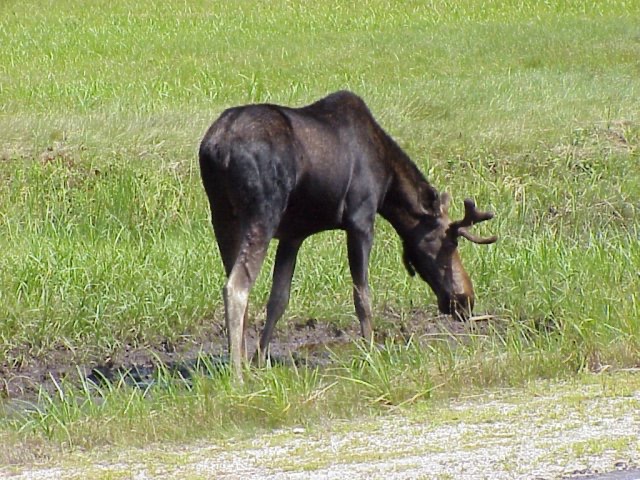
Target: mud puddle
column 304, row 342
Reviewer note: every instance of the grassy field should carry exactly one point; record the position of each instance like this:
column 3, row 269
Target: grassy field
column 529, row 107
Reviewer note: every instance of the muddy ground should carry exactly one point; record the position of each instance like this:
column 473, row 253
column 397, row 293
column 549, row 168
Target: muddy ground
column 304, row 341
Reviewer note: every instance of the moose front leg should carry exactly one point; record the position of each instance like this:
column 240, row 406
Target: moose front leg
column 359, row 247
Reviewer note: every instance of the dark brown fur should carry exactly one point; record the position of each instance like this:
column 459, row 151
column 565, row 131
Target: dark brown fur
column 277, row 172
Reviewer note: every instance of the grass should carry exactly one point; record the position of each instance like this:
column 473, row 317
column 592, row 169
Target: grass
column 529, row 107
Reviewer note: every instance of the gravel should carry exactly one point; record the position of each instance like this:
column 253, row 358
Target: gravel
column 560, row 433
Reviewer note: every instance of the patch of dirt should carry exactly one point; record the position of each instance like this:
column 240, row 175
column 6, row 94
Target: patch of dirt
column 303, row 341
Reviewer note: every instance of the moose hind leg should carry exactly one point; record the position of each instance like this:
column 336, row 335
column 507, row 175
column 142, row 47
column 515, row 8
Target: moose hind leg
column 280, row 290
column 236, row 294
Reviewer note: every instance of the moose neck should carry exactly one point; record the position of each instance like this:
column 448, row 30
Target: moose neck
column 409, row 196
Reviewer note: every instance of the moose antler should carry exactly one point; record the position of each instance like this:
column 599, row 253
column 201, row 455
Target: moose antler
column 471, row 216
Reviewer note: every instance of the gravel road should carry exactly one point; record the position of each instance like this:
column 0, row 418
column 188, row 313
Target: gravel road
column 551, row 431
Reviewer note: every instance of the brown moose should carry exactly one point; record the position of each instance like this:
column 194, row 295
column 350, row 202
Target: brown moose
column 276, row 172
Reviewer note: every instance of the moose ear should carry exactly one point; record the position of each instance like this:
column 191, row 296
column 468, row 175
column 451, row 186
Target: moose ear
column 429, row 200
column 445, row 201
column 407, row 263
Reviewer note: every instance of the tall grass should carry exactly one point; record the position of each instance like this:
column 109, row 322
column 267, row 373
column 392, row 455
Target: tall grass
column 529, row 107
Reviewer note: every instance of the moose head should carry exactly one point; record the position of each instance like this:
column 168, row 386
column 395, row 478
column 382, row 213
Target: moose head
column 432, row 251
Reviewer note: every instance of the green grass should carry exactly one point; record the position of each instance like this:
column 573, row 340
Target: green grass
column 529, row 107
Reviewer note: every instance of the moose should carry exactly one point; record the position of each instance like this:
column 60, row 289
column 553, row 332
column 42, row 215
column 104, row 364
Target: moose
column 271, row 171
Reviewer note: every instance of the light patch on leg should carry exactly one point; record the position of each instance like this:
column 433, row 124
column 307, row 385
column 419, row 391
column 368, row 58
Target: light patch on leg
column 236, row 299
column 237, row 296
